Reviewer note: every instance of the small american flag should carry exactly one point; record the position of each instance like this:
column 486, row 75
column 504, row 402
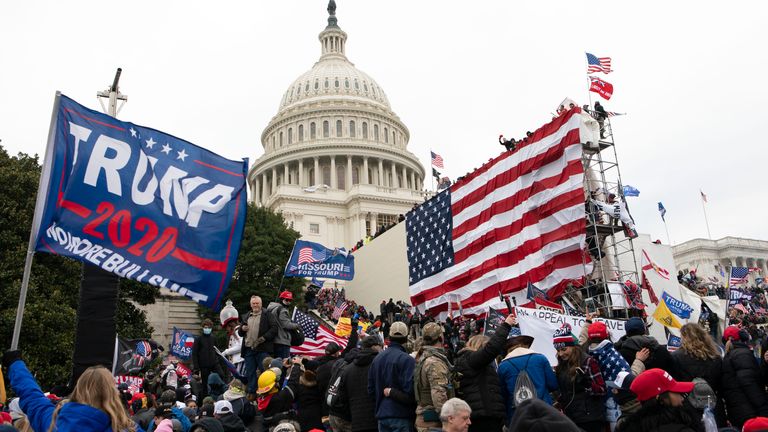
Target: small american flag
column 598, row 64
column 437, row 160
column 316, row 337
column 309, row 255
column 614, row 114
column 738, row 276
column 341, row 306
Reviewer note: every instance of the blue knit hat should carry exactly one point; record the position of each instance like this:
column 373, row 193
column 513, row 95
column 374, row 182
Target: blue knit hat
column 564, row 337
column 635, row 326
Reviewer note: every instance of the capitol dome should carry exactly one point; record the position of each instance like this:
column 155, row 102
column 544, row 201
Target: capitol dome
column 335, row 162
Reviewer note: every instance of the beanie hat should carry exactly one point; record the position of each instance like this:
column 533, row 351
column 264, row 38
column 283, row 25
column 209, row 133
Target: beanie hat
column 597, row 330
column 563, row 337
column 635, row 326
column 735, row 333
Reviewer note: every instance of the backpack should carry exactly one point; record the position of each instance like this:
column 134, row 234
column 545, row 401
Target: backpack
column 297, row 337
column 524, row 387
column 333, row 397
column 244, row 409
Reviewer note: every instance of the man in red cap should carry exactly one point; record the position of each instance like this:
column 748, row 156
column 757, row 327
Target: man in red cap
column 280, row 308
column 661, row 399
column 757, row 424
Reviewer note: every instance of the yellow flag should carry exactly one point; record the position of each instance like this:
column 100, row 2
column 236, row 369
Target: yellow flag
column 344, row 326
column 665, row 316
column 363, row 326
column 3, row 396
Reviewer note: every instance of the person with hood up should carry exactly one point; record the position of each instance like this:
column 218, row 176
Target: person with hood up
column 535, row 415
column 282, row 342
column 362, row 406
column 309, row 399
column 94, row 405
column 216, row 386
column 637, row 339
column 742, row 385
column 479, row 381
column 520, row 358
column 582, row 388
column 230, row 422
column 661, row 399
column 275, row 404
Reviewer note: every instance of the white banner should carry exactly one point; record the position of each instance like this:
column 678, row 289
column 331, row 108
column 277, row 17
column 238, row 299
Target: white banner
column 541, row 325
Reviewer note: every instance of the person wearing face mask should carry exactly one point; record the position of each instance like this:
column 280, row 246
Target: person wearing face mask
column 282, row 341
column 204, row 357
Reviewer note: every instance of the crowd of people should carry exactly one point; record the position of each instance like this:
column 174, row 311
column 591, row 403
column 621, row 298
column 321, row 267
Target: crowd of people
column 411, row 372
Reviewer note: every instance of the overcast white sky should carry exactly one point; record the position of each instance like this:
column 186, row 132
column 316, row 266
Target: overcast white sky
column 690, row 75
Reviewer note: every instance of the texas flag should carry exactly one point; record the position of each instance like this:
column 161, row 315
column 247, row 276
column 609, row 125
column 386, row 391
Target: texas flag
column 601, row 87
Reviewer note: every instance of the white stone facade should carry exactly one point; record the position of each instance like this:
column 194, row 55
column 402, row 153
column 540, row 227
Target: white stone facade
column 708, row 256
column 336, row 162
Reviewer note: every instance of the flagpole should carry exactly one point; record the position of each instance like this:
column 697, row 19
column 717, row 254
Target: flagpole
column 42, row 194
column 589, row 81
column 706, row 220
column 432, row 174
column 669, row 240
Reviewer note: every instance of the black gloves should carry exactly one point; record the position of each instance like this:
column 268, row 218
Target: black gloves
column 9, row 357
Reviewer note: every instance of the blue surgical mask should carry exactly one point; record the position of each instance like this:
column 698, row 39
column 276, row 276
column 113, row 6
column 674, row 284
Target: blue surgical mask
column 207, row 330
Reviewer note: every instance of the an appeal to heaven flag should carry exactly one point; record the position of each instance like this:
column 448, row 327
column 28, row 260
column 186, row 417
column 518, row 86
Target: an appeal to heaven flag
column 141, row 203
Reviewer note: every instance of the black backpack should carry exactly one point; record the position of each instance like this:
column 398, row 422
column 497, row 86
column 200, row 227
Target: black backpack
column 333, row 399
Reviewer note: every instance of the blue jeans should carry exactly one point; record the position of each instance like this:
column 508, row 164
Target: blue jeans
column 253, row 366
column 395, row 425
column 282, row 351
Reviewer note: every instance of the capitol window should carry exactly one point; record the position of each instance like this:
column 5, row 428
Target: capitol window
column 352, row 131
column 394, row 141
column 386, row 135
column 301, row 132
column 357, row 85
column 355, row 175
column 346, row 83
column 326, row 129
column 336, row 83
column 338, row 128
column 290, row 136
column 326, row 83
column 314, row 228
column 326, row 175
column 306, row 88
column 376, row 132
column 312, row 131
column 365, row 130
column 317, row 84
column 365, row 87
column 281, row 138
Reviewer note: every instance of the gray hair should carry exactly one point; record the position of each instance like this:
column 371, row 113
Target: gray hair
column 452, row 407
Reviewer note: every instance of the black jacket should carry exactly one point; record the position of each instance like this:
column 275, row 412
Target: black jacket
column 204, row 353
column 688, row 367
column 578, row 405
column 659, row 419
column 660, row 358
column 267, row 330
column 308, row 404
column 743, row 391
column 231, row 423
column 354, row 386
column 479, row 382
column 325, row 366
column 280, row 405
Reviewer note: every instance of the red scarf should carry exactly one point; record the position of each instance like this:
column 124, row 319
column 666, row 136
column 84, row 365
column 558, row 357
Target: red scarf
column 263, row 401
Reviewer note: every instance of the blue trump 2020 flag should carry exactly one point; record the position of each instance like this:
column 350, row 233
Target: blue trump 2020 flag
column 140, row 203
column 310, row 259
column 630, row 191
column 677, row 307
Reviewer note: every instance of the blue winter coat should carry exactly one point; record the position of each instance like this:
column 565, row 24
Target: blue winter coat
column 393, row 368
column 538, row 369
column 39, row 409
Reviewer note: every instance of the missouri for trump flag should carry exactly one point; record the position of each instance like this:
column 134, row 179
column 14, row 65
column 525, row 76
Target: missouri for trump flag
column 518, row 219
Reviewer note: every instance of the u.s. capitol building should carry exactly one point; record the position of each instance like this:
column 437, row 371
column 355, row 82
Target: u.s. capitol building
column 336, row 162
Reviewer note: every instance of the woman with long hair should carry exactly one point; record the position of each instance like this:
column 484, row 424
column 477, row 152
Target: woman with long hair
column 479, row 383
column 699, row 357
column 94, row 405
column 582, row 388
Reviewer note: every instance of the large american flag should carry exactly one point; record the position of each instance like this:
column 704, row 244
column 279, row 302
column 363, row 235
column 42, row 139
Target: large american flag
column 738, row 276
column 598, row 64
column 518, row 219
column 437, row 160
column 309, row 255
column 316, row 337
